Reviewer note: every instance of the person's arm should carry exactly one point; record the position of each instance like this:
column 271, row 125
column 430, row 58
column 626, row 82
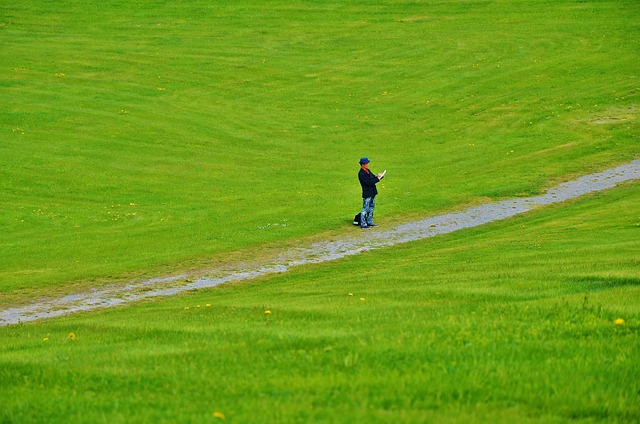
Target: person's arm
column 368, row 180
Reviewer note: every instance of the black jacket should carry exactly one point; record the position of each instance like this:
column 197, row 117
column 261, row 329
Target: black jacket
column 368, row 182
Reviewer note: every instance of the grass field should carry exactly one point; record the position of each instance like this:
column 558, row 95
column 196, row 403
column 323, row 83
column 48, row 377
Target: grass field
column 144, row 137
column 141, row 139
column 512, row 322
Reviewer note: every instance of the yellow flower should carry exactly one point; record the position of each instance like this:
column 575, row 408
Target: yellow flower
column 72, row 336
column 267, row 312
column 46, row 339
column 218, row 414
column 363, row 299
column 208, row 305
column 619, row 321
column 198, row 306
column 186, row 308
column 350, row 294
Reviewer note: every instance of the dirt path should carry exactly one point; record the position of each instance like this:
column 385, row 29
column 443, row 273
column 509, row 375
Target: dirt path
column 353, row 244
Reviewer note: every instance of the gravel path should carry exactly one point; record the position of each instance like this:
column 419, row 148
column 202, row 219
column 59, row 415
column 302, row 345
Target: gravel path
column 353, row 244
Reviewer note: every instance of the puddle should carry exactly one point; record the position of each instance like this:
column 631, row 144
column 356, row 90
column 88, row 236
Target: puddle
column 356, row 242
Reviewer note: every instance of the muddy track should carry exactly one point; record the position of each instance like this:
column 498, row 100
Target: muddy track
column 354, row 243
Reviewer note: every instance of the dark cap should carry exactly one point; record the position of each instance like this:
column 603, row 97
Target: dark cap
column 364, row 160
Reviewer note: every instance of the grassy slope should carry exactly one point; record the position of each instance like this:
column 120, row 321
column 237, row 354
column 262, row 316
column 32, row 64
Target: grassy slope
column 142, row 136
column 511, row 322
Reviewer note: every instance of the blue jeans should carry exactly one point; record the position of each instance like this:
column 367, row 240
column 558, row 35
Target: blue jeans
column 366, row 216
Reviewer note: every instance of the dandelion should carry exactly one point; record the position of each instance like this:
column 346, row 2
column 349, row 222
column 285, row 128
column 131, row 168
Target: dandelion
column 350, row 294
column 219, row 415
column 267, row 312
column 197, row 306
column 186, row 308
column 362, row 299
column 619, row 321
column 208, row 305
column 72, row 336
column 46, row 339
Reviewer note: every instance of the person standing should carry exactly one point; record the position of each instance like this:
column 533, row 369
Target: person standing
column 368, row 182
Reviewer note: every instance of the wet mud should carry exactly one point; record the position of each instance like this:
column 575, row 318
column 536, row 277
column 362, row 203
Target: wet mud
column 356, row 242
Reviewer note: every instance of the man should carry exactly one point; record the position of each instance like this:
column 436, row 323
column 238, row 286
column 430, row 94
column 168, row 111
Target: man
column 368, row 182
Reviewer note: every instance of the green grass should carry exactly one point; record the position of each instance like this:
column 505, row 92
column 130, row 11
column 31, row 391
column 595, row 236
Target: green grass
column 146, row 138
column 140, row 138
column 511, row 322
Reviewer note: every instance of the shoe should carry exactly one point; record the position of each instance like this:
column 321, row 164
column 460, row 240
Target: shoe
column 373, row 225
